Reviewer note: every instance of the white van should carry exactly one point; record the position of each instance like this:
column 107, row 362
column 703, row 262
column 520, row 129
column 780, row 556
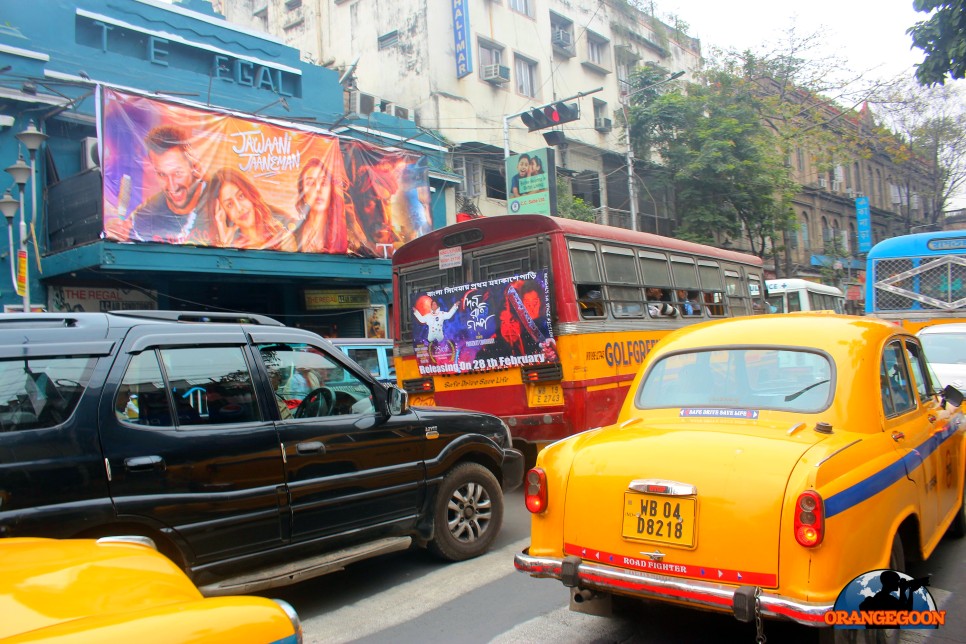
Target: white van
column 788, row 295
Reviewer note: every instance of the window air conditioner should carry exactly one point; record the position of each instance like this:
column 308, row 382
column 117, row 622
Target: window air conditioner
column 363, row 104
column 602, row 124
column 562, row 38
column 496, row 73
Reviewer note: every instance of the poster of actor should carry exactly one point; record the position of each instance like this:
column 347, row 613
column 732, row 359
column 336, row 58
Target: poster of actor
column 531, row 187
column 479, row 327
column 178, row 174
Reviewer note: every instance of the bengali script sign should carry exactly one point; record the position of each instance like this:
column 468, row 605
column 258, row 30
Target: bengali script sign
column 181, row 175
column 493, row 324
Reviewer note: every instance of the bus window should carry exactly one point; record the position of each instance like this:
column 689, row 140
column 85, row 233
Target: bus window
column 591, row 300
column 654, row 268
column 626, row 302
column 737, row 300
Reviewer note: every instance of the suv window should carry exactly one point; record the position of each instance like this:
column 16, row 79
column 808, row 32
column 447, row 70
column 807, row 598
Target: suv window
column 207, row 385
column 41, row 392
column 309, row 383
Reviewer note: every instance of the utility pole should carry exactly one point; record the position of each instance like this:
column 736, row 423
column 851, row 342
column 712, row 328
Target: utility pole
column 630, row 149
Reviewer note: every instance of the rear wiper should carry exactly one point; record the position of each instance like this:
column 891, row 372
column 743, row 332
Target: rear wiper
column 798, row 393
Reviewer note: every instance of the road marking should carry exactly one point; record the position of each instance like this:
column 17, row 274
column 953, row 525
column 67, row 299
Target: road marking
column 414, row 598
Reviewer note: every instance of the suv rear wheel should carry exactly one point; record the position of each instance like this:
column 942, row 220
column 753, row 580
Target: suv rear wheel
column 468, row 513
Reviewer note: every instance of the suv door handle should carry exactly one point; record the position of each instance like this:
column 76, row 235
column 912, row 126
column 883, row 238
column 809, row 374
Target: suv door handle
column 310, row 447
column 144, row 463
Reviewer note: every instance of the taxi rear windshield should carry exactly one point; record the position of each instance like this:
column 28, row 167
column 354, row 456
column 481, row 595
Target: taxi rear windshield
column 778, row 379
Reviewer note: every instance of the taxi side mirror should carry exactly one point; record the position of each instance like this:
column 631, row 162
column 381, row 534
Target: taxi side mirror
column 952, row 396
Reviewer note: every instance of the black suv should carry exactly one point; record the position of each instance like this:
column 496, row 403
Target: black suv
column 220, row 438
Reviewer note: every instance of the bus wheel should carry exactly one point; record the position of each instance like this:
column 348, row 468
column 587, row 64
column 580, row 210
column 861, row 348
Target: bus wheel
column 468, row 513
column 957, row 529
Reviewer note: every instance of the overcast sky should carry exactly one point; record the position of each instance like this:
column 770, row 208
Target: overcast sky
column 869, row 34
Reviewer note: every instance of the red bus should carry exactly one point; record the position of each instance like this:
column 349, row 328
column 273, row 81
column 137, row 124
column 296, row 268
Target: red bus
column 544, row 321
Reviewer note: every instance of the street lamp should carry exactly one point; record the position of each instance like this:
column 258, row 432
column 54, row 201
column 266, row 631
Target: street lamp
column 32, row 138
column 630, row 150
column 20, row 172
column 8, row 206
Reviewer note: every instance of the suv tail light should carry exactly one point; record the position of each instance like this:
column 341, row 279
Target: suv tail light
column 809, row 519
column 535, row 493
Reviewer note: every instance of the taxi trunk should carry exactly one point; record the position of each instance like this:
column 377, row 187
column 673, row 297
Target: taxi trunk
column 722, row 523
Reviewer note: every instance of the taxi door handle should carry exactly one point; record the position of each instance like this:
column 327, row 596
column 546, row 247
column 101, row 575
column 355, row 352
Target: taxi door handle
column 898, row 436
column 310, row 447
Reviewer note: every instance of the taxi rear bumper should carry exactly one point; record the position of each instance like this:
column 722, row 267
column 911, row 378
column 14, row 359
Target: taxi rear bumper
column 574, row 572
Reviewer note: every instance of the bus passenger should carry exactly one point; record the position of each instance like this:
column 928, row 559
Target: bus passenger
column 657, row 304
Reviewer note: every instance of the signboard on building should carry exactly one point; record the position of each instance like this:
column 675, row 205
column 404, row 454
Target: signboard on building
column 864, row 224
column 318, row 299
column 181, row 175
column 531, row 185
column 461, row 33
column 95, row 299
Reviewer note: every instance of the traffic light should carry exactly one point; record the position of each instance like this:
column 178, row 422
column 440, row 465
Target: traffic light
column 540, row 118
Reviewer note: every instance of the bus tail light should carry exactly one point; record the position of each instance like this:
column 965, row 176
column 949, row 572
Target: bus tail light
column 535, row 493
column 542, row 373
column 419, row 386
column 809, row 519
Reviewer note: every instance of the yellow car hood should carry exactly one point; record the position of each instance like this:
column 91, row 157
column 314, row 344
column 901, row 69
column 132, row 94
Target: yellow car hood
column 739, row 470
column 46, row 582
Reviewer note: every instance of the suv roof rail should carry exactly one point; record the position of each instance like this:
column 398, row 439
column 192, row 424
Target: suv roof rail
column 201, row 316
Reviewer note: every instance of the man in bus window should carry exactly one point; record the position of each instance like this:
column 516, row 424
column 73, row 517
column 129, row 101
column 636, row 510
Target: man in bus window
column 591, row 301
column 657, row 304
column 689, row 302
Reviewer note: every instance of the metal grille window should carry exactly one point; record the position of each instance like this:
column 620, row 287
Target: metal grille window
column 389, row 40
column 933, row 283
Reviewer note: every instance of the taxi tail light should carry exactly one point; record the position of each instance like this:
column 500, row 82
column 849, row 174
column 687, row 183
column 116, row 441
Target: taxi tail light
column 419, row 386
column 535, row 490
column 809, row 519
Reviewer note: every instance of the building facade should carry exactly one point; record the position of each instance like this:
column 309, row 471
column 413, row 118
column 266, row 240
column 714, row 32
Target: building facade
column 58, row 62
column 469, row 69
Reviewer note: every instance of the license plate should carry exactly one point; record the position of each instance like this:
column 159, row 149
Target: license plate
column 661, row 519
column 544, row 395
column 422, row 400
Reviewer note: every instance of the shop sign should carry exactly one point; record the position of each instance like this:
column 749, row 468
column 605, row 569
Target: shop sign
column 98, row 299
column 336, row 299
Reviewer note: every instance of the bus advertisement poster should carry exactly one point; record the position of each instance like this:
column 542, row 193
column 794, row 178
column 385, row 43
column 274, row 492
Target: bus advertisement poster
column 484, row 326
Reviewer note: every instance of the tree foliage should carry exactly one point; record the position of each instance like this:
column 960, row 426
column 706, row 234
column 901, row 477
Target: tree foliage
column 571, row 207
column 943, row 39
column 728, row 176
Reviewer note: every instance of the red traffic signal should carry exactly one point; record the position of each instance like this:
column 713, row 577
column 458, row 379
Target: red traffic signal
column 556, row 114
column 559, row 113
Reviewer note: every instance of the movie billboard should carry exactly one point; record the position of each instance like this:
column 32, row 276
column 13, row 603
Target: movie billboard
column 180, row 175
column 493, row 324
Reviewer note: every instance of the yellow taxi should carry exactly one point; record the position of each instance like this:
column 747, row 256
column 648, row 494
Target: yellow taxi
column 120, row 589
column 757, row 466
